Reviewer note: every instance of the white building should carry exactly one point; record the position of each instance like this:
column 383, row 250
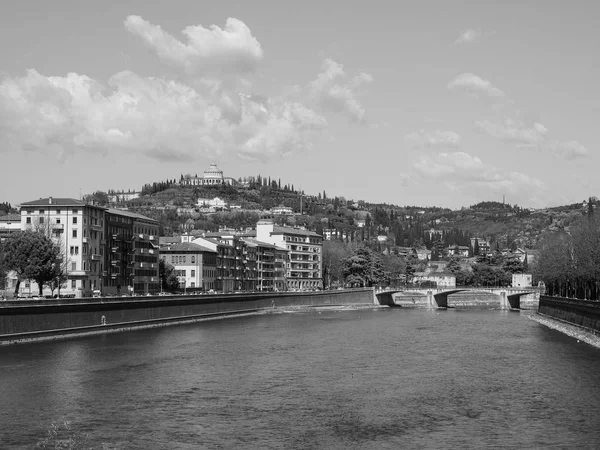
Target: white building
column 214, row 203
column 122, row 196
column 304, row 264
column 78, row 229
column 282, row 210
column 213, row 176
column 441, row 280
column 522, row 280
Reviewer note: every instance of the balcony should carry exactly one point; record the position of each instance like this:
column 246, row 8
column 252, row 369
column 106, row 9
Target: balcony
column 78, row 273
column 116, row 262
column 114, row 249
column 96, row 257
column 58, row 227
column 104, row 273
column 96, row 227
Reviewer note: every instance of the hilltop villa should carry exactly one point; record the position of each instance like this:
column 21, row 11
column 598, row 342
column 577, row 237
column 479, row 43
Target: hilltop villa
column 213, row 176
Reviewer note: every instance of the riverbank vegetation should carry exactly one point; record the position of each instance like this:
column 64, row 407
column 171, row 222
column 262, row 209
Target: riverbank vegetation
column 569, row 263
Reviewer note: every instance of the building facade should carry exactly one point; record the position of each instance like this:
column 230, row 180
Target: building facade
column 104, row 251
column 304, row 253
column 195, row 265
column 78, row 229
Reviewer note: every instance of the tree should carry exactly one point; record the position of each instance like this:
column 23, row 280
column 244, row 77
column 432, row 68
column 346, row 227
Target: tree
column 168, row 279
column 99, row 198
column 33, row 256
column 363, row 268
column 334, row 253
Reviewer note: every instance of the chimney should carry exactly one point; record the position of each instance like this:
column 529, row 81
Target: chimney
column 49, row 200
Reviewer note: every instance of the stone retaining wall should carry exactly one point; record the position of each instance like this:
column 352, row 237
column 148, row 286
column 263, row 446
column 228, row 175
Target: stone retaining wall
column 23, row 319
column 584, row 313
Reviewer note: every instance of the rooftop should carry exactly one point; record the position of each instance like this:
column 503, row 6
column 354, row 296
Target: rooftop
column 185, row 247
column 122, row 212
column 57, row 202
column 296, row 231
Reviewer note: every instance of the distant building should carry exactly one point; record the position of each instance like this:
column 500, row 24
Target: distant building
column 282, row 210
column 458, row 250
column 423, row 254
column 482, row 244
column 214, row 203
column 213, row 176
column 440, row 279
column 521, row 280
column 122, row 196
column 9, row 224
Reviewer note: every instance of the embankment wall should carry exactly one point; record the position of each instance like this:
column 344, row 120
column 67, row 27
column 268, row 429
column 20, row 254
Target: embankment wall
column 584, row 313
column 28, row 320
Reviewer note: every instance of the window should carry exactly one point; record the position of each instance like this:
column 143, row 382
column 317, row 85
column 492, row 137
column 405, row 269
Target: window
column 75, row 211
column 73, row 266
column 72, row 250
column 193, row 273
column 42, row 211
column 41, row 220
column 28, row 221
column 173, row 259
column 58, row 220
column 193, row 284
column 75, row 220
column 73, row 284
column 58, row 211
column 74, row 233
column 184, row 259
column 193, row 259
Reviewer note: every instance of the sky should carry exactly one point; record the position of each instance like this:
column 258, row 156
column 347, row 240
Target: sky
column 429, row 103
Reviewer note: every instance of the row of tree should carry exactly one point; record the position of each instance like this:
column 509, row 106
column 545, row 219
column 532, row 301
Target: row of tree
column 569, row 263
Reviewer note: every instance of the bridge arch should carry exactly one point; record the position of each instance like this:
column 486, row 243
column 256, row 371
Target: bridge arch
column 438, row 298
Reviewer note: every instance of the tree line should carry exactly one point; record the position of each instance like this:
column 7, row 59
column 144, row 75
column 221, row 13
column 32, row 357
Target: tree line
column 569, row 263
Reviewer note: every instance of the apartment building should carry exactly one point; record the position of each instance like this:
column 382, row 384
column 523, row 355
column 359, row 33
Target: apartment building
column 78, row 229
column 304, row 259
column 264, row 265
column 195, row 266
column 229, row 264
column 132, row 253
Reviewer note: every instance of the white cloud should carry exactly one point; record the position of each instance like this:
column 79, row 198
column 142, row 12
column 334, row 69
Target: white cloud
column 206, row 115
column 475, row 85
column 531, row 137
column 432, row 139
column 213, row 49
column 465, row 173
column 514, row 131
column 160, row 118
column 469, row 35
column 334, row 92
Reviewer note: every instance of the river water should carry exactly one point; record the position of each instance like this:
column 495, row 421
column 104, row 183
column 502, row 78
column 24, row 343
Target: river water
column 365, row 379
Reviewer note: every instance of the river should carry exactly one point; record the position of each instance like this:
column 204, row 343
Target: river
column 365, row 379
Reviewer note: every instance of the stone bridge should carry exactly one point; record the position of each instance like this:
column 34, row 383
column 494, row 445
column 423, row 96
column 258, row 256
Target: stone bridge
column 510, row 298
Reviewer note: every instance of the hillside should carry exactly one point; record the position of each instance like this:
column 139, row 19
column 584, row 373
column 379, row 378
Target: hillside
column 504, row 226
